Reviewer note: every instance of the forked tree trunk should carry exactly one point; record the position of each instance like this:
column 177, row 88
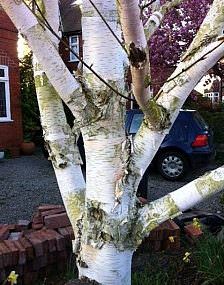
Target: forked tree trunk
column 100, row 259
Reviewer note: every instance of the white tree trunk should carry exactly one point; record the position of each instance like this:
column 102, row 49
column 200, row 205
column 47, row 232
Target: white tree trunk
column 63, row 152
column 108, row 265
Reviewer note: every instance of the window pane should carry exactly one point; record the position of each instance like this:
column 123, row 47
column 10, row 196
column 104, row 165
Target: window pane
column 2, row 100
column 2, row 72
column 73, row 40
column 75, row 49
column 136, row 122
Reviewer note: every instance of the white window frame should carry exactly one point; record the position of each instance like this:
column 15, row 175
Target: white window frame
column 5, row 79
column 72, row 57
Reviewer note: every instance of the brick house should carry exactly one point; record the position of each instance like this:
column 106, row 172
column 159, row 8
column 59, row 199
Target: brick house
column 11, row 134
column 71, row 33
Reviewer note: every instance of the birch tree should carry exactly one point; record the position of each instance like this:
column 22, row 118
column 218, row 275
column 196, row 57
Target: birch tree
column 107, row 218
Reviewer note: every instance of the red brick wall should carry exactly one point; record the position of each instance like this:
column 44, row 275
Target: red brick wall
column 11, row 134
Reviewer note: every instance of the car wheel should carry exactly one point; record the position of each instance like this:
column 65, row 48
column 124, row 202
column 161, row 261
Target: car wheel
column 172, row 165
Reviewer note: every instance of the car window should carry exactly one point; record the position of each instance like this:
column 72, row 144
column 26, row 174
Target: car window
column 200, row 121
column 135, row 124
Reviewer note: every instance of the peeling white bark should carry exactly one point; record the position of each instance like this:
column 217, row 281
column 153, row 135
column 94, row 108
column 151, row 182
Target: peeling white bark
column 199, row 189
column 180, row 200
column 101, row 50
column 107, row 265
column 103, row 156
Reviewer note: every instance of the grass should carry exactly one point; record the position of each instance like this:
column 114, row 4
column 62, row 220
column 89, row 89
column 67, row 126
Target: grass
column 153, row 278
column 209, row 258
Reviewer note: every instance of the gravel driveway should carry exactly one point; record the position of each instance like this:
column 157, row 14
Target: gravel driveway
column 29, row 181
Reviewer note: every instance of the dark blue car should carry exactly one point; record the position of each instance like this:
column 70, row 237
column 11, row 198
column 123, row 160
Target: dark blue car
column 189, row 143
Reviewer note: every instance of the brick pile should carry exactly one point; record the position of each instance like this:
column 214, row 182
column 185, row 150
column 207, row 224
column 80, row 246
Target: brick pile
column 35, row 248
column 164, row 237
column 43, row 245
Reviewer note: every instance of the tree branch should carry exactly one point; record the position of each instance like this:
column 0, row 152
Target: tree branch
column 157, row 17
column 137, row 47
column 171, row 205
column 173, row 94
column 58, row 135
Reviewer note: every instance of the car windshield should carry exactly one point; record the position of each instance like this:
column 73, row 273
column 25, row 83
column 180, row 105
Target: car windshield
column 135, row 124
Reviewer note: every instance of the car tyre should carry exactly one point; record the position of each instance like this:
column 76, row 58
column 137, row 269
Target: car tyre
column 172, row 165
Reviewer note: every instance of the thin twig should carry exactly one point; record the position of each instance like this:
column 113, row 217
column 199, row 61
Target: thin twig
column 46, row 24
column 108, row 26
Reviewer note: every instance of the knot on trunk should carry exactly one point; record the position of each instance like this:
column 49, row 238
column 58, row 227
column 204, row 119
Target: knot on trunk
column 156, row 116
column 137, row 56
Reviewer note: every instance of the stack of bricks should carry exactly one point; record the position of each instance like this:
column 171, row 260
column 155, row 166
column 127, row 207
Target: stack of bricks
column 192, row 232
column 164, row 237
column 34, row 249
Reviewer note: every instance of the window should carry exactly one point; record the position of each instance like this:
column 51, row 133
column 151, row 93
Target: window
column 136, row 123
column 74, row 45
column 4, row 94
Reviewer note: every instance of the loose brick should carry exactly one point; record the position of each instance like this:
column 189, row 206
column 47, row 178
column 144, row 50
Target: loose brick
column 156, row 245
column 37, row 226
column 22, row 252
column 28, row 247
column 167, row 244
column 52, row 212
column 4, row 232
column 157, row 233
column 57, row 221
column 66, row 234
column 71, row 232
column 59, row 239
column 37, row 219
column 172, row 228
column 1, row 261
column 192, row 231
column 61, row 261
column 50, row 237
column 14, row 252
column 6, row 255
column 48, row 207
column 36, row 242
column 164, row 230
